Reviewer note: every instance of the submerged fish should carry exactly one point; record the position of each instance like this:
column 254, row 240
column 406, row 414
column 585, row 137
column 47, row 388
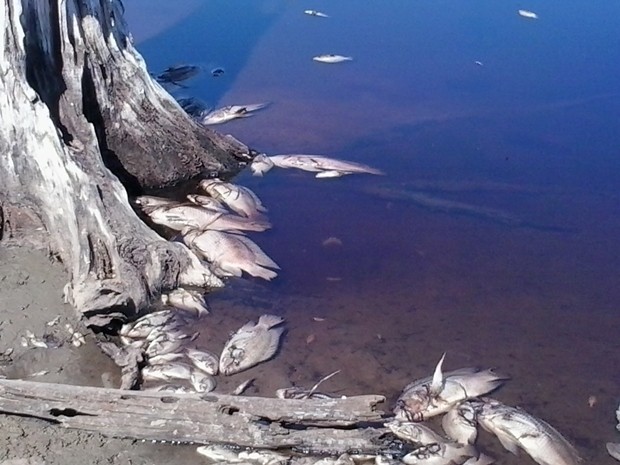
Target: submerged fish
column 176, row 74
column 179, row 217
column 515, row 428
column 194, row 107
column 323, row 166
column 434, row 395
column 238, row 198
column 251, row 344
column 230, row 112
column 316, row 13
column 459, row 423
column 528, row 14
column 440, row 453
column 331, row 58
column 231, row 254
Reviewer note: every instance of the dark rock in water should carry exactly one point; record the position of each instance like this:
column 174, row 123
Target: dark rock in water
column 176, row 74
column 217, row 72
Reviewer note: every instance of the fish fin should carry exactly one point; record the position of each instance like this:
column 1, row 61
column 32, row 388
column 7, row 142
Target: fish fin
column 437, row 382
column 483, row 382
column 264, row 273
column 269, row 321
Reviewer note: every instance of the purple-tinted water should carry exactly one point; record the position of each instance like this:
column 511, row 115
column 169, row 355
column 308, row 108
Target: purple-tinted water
column 520, row 272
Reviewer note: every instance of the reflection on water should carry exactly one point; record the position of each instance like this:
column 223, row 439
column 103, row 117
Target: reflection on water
column 528, row 139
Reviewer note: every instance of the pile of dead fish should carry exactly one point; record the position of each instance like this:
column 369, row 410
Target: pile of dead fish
column 457, row 395
column 164, row 339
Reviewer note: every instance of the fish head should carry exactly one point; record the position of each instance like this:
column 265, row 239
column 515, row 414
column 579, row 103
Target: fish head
column 412, row 407
column 261, row 164
column 232, row 360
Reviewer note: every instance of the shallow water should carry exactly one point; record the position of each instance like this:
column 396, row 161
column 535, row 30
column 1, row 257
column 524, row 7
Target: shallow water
column 531, row 136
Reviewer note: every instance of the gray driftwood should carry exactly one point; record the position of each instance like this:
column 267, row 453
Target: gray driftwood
column 82, row 123
column 332, row 426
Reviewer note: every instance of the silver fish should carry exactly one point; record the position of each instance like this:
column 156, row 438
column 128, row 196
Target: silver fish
column 331, row 58
column 231, row 254
column 146, row 201
column 166, row 371
column 143, row 326
column 238, row 198
column 613, row 449
column 230, row 112
column 323, row 166
column 202, row 382
column 179, row 217
column 203, row 360
column 206, row 202
column 316, row 13
column 434, row 395
column 263, row 457
column 251, row 344
column 515, row 428
column 527, row 14
column 162, row 345
column 186, row 299
column 174, row 388
column 242, row 387
column 220, row 454
column 460, row 424
column 165, row 358
column 441, row 453
column 261, row 164
column 482, row 459
column 414, row 432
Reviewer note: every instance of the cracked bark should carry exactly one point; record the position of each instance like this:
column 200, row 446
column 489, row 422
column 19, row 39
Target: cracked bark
column 82, row 124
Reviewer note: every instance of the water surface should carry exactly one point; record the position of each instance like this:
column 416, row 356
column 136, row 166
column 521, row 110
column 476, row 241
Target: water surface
column 532, row 135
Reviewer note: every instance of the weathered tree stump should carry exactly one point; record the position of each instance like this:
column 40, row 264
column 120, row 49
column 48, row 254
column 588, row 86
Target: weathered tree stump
column 330, row 426
column 82, row 123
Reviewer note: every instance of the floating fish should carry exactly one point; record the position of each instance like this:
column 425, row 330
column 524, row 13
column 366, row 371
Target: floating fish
column 230, row 112
column 479, row 63
column 231, row 254
column 323, row 166
column 204, row 360
column 173, row 388
column 238, row 198
column 459, row 423
column 143, row 326
column 440, row 453
column 165, row 358
column 179, row 217
column 176, row 74
column 515, row 428
column 331, row 58
column 528, row 14
column 217, row 72
column 202, row 382
column 207, row 202
column 434, row 395
column 186, row 299
column 166, row 371
column 251, row 344
column 194, row 107
column 316, row 13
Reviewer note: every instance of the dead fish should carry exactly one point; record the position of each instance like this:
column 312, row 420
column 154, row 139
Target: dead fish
column 459, row 423
column 186, row 299
column 230, row 112
column 165, row 358
column 162, row 345
column 202, row 382
column 176, row 74
column 324, row 166
column 434, row 395
column 301, row 393
column 414, row 432
column 143, row 326
column 149, row 201
column 482, row 459
column 203, row 360
column 440, row 453
column 179, row 217
column 194, row 107
column 331, row 58
column 261, row 164
column 263, row 457
column 242, row 387
column 166, row 371
column 316, row 13
column 173, row 388
column 238, row 198
column 231, row 254
column 515, row 428
column 527, row 14
column 251, row 344
column 613, row 449
column 206, row 202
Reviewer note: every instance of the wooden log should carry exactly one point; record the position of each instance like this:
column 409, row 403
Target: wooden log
column 317, row 426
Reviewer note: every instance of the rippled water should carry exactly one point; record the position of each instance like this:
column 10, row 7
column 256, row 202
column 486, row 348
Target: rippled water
column 493, row 235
